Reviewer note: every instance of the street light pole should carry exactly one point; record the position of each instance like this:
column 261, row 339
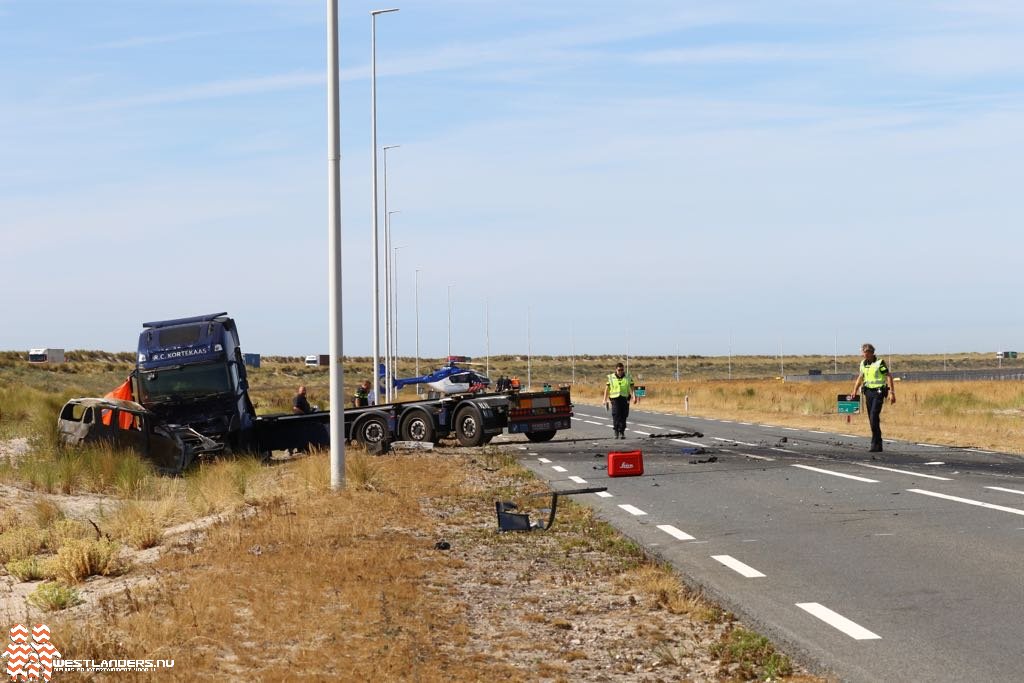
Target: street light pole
column 417, row 328
column 337, row 380
column 487, row 336
column 388, row 359
column 394, row 334
column 450, row 319
column 376, row 230
column 388, row 370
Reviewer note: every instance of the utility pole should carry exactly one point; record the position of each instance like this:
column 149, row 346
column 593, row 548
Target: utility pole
column 337, row 379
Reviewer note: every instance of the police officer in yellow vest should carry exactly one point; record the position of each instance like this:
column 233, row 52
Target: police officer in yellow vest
column 877, row 382
column 617, row 392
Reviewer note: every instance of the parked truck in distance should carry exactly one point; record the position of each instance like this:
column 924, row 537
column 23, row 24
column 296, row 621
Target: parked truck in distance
column 52, row 356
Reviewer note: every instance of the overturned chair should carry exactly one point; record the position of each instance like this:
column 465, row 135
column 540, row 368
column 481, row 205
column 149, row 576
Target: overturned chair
column 520, row 521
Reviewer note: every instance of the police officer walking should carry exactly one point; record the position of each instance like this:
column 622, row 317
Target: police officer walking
column 877, row 382
column 617, row 393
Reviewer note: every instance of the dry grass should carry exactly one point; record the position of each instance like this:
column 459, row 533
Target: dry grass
column 79, row 559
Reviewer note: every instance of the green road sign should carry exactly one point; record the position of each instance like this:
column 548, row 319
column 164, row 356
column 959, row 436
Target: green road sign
column 846, row 406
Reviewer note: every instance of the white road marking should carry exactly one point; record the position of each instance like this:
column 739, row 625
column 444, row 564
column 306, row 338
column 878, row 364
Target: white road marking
column 532, row 453
column 749, row 424
column 978, row 450
column 968, row 501
column 837, row 621
column 637, row 431
column 675, row 533
column 783, row 450
column 591, row 422
column 791, row 429
column 633, row 510
column 850, row 436
column 837, row 474
column 726, row 421
column 935, row 462
column 604, row 494
column 689, row 443
column 650, row 426
column 815, row 431
column 930, row 445
column 1000, row 488
column 559, row 468
column 718, row 438
column 544, row 460
column 578, row 480
column 738, row 567
column 757, row 457
column 913, row 474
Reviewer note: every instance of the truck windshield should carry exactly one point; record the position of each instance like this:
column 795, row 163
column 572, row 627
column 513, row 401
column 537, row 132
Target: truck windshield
column 189, row 381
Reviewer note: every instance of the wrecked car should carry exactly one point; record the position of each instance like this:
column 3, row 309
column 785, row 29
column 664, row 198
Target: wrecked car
column 126, row 424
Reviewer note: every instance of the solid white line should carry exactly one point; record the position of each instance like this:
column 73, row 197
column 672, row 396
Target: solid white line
column 675, row 533
column 578, row 480
column 930, row 445
column 783, row 450
column 738, row 567
column 690, row 443
column 559, row 468
column 837, row 621
column 837, row 474
column 1000, row 488
column 633, row 510
column 913, row 474
column 637, row 431
column 604, row 494
column 968, row 501
column 758, row 457
column 544, row 460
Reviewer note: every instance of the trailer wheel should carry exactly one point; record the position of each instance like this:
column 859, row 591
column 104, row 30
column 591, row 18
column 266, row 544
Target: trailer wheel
column 469, row 427
column 538, row 437
column 372, row 430
column 418, row 427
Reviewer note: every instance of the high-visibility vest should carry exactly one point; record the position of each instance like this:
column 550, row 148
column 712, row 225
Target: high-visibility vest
column 619, row 386
column 874, row 378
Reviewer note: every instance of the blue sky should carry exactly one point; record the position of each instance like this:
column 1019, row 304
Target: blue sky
column 658, row 176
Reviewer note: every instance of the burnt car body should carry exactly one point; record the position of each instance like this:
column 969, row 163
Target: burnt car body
column 126, row 424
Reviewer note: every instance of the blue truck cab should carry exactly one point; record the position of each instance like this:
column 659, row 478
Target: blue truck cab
column 191, row 371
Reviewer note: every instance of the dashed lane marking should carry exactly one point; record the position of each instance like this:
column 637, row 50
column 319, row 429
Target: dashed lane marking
column 791, row 429
column 637, row 431
column 738, row 567
column 544, row 460
column 978, row 450
column 783, row 450
column 675, row 533
column 1000, row 488
column 930, row 445
column 968, row 501
column 690, row 443
column 913, row 474
column 591, row 422
column 935, row 462
column 578, row 480
column 837, row 621
column 633, row 510
column 604, row 494
column 837, row 474
column 559, row 468
column 757, row 457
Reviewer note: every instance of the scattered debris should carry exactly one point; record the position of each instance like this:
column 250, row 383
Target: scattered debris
column 412, row 445
column 520, row 521
column 713, row 458
column 442, row 545
column 676, row 435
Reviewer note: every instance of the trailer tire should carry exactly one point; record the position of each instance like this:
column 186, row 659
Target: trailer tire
column 541, row 436
column 371, row 431
column 418, row 427
column 469, row 427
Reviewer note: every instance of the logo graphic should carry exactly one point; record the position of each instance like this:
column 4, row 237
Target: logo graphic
column 30, row 661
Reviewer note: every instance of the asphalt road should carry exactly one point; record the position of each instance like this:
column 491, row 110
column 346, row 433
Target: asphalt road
column 905, row 566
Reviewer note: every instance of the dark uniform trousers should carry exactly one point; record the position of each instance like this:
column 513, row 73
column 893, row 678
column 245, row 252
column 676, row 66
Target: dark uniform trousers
column 620, row 411
column 875, row 399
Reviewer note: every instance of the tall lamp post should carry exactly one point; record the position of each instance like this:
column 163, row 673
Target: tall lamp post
column 337, row 381
column 388, row 360
column 376, row 230
column 418, row 328
column 394, row 309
